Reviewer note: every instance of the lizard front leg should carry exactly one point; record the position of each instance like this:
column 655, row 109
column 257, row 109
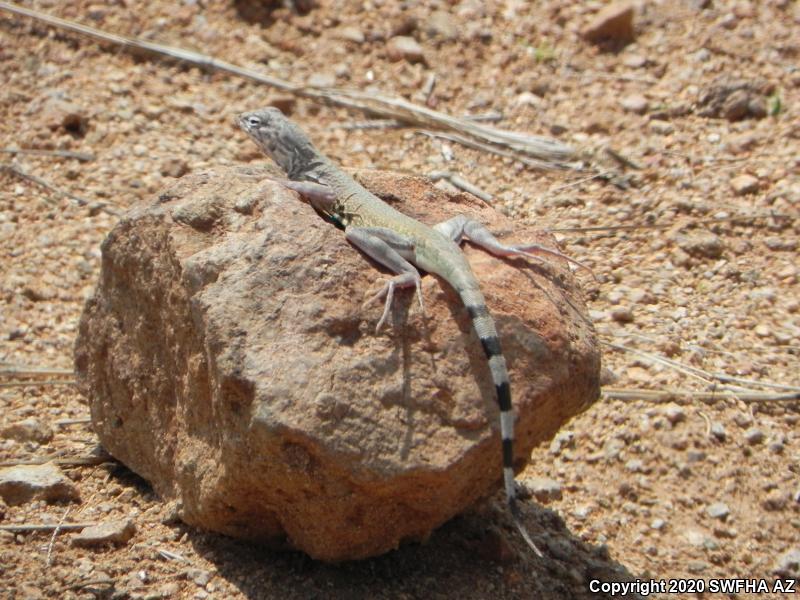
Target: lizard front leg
column 462, row 227
column 392, row 250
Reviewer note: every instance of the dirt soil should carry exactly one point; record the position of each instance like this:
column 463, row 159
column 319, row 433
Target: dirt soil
column 695, row 253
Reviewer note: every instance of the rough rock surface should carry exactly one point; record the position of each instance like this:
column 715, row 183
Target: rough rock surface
column 117, row 531
column 613, row 22
column 227, row 359
column 47, row 482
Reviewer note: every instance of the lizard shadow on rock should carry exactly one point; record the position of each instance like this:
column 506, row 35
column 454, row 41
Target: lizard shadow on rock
column 465, row 558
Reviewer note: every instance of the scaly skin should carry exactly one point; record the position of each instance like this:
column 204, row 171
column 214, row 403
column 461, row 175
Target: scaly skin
column 399, row 242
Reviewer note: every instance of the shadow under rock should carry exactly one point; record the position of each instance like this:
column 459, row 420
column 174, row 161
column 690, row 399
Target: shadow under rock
column 476, row 555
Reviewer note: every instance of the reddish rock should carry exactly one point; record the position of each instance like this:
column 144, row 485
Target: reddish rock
column 227, row 358
column 405, row 48
column 613, row 23
column 110, row 532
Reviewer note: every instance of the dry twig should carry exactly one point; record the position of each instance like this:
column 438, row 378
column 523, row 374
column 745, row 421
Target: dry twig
column 12, row 384
column 23, row 370
column 670, row 395
column 82, row 156
column 15, row 170
column 461, row 184
column 26, row 527
column 686, row 223
column 77, row 461
column 53, row 537
column 66, row 422
column 704, row 376
column 548, row 153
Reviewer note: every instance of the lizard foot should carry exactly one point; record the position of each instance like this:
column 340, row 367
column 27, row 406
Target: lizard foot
column 387, row 291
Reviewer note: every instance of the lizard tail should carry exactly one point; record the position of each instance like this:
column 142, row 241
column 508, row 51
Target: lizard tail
column 484, row 326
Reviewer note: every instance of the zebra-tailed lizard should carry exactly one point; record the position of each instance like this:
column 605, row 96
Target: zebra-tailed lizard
column 401, row 244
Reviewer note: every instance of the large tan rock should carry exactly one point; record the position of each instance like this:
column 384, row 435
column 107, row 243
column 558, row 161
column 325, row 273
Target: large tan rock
column 228, row 360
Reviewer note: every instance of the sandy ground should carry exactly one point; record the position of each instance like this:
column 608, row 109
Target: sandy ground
column 677, row 479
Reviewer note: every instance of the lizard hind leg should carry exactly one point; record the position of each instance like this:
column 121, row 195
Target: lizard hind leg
column 461, row 227
column 392, row 250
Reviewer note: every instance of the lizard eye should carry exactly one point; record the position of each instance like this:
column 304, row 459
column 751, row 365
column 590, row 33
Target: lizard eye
column 253, row 121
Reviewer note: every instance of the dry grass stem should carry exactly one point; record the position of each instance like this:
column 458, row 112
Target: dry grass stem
column 82, row 156
column 15, row 170
column 548, row 153
column 26, row 527
column 671, row 395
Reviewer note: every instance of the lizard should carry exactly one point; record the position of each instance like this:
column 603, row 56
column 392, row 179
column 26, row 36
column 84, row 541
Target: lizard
column 403, row 245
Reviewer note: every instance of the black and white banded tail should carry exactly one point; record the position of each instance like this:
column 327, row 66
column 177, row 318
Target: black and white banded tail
column 484, row 326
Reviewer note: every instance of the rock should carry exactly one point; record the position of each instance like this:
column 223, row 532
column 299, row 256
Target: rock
column 780, row 244
column 694, row 537
column 442, row 25
column 227, row 359
column 544, row 489
column 110, row 532
column 200, row 577
column 634, row 61
column 614, row 23
column 564, row 439
column 696, row 566
column 28, row 430
column 622, row 314
column 658, row 524
column 788, row 564
column 734, row 99
column 776, row 500
column 744, row 184
column 718, row 510
column 702, row 244
column 57, row 113
column 174, row 167
column 402, row 47
column 350, row 34
column 635, row 103
column 734, row 107
column 674, row 413
column 24, row 483
column 754, row 436
column 635, row 465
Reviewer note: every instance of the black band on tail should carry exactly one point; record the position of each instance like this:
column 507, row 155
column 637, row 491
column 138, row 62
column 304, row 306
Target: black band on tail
column 508, row 453
column 503, row 396
column 491, row 346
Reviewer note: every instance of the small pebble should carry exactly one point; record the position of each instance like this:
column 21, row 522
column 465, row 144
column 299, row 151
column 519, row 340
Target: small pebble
column 404, row 48
column 718, row 431
column 28, row 430
column 543, row 489
column 696, row 566
column 788, row 564
column 674, row 413
column 614, row 22
column 744, row 184
column 718, row 510
column 754, row 436
column 635, row 103
column 622, row 314
column 109, row 532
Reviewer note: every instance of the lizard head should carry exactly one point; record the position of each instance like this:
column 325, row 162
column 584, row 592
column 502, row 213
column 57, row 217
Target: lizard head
column 279, row 138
